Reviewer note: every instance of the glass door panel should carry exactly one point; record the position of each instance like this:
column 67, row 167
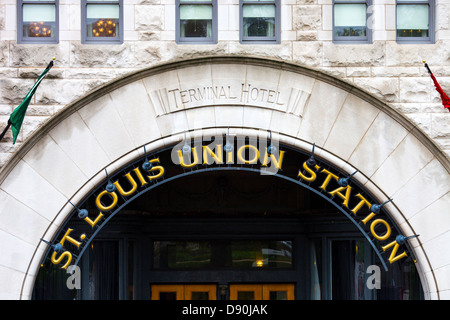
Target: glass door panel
column 200, row 292
column 262, row 291
column 184, row 292
column 245, row 292
column 278, row 291
column 168, row 292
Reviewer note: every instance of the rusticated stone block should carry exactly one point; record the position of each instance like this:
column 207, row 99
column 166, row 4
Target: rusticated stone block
column 307, row 17
column 414, row 90
column 28, row 55
column 60, row 91
column 4, row 53
column 149, row 17
column 440, row 125
column 385, row 89
column 149, row 21
column 413, row 54
column 308, row 53
column 101, row 55
column 12, row 91
column 348, row 55
column 277, row 51
column 34, row 73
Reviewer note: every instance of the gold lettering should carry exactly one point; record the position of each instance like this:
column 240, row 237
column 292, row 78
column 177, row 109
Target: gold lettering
column 140, row 176
column 241, row 157
column 216, row 156
column 388, row 230
column 393, row 258
column 328, row 178
column 310, row 171
column 230, row 157
column 93, row 223
column 160, row 170
column 347, row 194
column 360, row 204
column 273, row 159
column 181, row 158
column 70, row 239
column 61, row 257
column 368, row 218
column 99, row 203
column 133, row 186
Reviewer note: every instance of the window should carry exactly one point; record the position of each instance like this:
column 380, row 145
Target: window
column 196, row 21
column 350, row 21
column 102, row 21
column 415, row 21
column 209, row 254
column 259, row 21
column 37, row 21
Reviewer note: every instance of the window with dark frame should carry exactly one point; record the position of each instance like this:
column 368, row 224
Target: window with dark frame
column 196, row 21
column 102, row 21
column 37, row 21
column 259, row 21
column 351, row 21
column 415, row 21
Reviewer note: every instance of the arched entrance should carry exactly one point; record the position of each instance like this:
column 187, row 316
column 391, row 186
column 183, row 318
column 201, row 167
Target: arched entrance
column 230, row 221
column 159, row 107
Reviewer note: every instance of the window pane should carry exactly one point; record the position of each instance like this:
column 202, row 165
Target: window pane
column 196, row 21
column 102, row 21
column 39, row 21
column 222, row 254
column 278, row 295
column 412, row 20
column 259, row 11
column 259, row 20
column 196, row 12
column 246, row 295
column 200, row 295
column 350, row 20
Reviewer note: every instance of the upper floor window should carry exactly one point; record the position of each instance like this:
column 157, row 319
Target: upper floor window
column 37, row 21
column 196, row 21
column 102, row 21
column 350, row 21
column 415, row 21
column 259, row 21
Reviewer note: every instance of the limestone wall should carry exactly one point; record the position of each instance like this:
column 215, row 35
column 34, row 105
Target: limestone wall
column 392, row 72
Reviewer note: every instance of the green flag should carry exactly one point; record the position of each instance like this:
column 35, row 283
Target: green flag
column 17, row 116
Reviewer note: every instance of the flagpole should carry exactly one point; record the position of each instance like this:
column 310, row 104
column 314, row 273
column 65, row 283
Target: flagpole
column 6, row 129
column 426, row 66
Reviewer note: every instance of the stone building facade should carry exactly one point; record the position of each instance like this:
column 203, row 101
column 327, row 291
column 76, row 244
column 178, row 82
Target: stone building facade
column 392, row 72
column 384, row 72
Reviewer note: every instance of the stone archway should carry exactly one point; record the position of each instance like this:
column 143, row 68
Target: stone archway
column 156, row 107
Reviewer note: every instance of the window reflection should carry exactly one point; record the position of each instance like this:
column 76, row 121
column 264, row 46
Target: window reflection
column 222, row 254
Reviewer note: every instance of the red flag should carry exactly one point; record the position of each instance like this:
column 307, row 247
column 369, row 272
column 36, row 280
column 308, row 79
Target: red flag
column 445, row 99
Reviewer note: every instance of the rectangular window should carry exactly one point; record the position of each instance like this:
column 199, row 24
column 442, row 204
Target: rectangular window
column 415, row 21
column 350, row 21
column 240, row 254
column 259, row 21
column 37, row 21
column 196, row 21
column 102, row 21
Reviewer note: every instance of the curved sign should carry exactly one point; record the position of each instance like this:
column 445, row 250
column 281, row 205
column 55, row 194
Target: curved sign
column 262, row 156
